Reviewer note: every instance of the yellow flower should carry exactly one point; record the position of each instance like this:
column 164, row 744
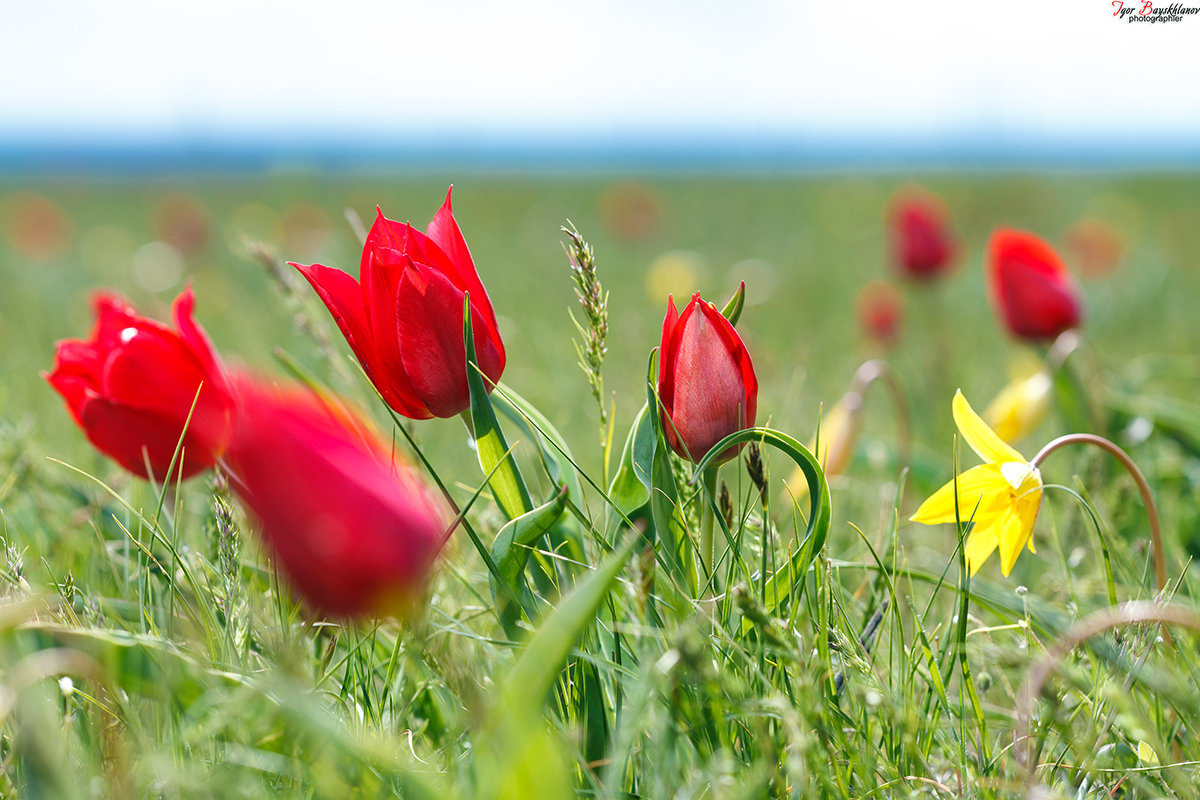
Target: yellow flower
column 1020, row 406
column 838, row 432
column 1000, row 497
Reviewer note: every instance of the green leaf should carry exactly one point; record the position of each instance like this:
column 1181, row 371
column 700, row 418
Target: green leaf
column 669, row 525
column 780, row 585
column 630, row 487
column 510, row 551
column 557, row 459
column 560, row 463
column 507, row 483
column 516, row 755
column 733, row 309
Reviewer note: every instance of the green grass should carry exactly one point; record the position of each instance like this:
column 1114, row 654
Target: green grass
column 194, row 674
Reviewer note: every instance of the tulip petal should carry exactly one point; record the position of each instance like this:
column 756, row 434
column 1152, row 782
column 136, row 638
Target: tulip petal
column 981, row 543
column 1013, row 535
column 982, row 439
column 194, row 336
column 666, row 355
column 1030, row 287
column 429, row 323
column 352, row 532
column 151, row 371
column 343, row 297
column 132, row 437
column 741, row 356
column 715, row 401
column 982, row 491
column 447, row 237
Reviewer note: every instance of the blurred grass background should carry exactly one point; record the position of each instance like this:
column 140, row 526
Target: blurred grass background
column 805, row 245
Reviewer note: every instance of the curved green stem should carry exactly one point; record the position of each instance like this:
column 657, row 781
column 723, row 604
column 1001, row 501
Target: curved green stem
column 1160, row 561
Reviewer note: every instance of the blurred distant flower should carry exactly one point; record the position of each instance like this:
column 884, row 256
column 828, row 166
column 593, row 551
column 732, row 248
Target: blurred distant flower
column 355, row 534
column 834, row 444
column 307, row 229
column 837, row 435
column 673, row 272
column 1000, row 497
column 630, row 209
column 706, row 381
column 404, row 321
column 132, row 386
column 880, row 312
column 1095, row 246
column 182, row 221
column 35, row 226
column 1030, row 288
column 923, row 244
column 1021, row 405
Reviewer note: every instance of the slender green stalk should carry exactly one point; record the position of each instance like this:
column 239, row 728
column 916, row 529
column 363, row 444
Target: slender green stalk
column 707, row 553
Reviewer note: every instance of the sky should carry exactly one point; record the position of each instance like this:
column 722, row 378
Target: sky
column 535, row 70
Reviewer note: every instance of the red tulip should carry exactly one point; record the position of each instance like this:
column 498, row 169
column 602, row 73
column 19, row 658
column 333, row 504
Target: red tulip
column 880, row 308
column 132, row 386
column 404, row 320
column 705, row 380
column 923, row 244
column 354, row 533
column 1030, row 288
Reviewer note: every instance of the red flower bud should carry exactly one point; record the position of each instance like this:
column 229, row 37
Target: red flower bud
column 404, row 320
column 1031, row 289
column 354, row 533
column 132, row 386
column 923, row 244
column 706, row 381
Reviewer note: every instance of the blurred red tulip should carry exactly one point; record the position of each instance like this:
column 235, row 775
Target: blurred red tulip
column 355, row 534
column 404, row 321
column 923, row 245
column 880, row 309
column 705, row 380
column 1031, row 289
column 132, row 386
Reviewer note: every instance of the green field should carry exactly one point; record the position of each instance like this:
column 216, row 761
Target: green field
column 270, row 703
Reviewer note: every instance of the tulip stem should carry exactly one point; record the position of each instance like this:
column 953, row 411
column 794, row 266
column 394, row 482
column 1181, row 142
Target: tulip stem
column 878, row 370
column 1160, row 563
column 707, row 523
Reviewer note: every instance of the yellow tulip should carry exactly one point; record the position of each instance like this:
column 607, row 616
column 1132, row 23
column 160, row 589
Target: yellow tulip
column 1000, row 498
column 1020, row 406
column 833, row 445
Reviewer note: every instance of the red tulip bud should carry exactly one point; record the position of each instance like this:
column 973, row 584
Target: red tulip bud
column 354, row 533
column 1031, row 289
column 705, row 380
column 923, row 244
column 132, row 386
column 404, row 320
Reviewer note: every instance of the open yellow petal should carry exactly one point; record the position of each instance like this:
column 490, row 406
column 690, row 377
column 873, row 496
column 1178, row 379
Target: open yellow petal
column 980, row 544
column 1027, row 509
column 983, row 492
column 982, row 439
column 1013, row 534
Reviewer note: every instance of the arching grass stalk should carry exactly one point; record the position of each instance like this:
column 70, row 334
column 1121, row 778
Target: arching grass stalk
column 1103, row 620
column 1160, row 563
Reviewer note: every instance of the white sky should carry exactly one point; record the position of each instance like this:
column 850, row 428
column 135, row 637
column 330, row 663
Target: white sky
column 199, row 69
